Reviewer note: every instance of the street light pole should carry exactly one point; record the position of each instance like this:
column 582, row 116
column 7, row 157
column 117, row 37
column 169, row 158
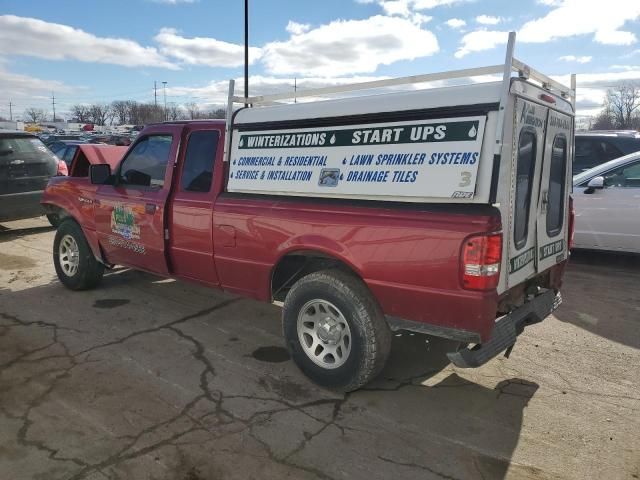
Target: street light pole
column 246, row 50
column 164, row 88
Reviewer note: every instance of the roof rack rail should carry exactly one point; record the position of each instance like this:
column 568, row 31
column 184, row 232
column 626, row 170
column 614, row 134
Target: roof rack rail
column 507, row 69
column 522, row 69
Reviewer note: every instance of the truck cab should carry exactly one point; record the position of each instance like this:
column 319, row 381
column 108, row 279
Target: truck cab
column 442, row 211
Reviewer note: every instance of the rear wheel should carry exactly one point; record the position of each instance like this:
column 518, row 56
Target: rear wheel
column 74, row 262
column 335, row 330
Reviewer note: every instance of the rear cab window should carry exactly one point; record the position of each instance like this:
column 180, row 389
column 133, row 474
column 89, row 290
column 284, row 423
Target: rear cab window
column 197, row 172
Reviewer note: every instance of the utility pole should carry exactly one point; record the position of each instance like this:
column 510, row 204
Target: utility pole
column 164, row 88
column 246, row 50
column 155, row 94
column 295, row 90
column 53, row 104
column 10, row 111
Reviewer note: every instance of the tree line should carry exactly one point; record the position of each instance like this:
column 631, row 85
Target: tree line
column 128, row 112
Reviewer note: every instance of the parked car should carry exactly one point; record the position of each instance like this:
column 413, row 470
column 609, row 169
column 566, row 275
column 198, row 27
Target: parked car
column 607, row 204
column 65, row 149
column 599, row 146
column 26, row 166
column 404, row 211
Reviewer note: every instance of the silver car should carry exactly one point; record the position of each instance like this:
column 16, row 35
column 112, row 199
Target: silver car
column 607, row 205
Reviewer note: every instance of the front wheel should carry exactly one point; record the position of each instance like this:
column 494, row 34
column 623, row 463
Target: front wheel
column 335, row 330
column 73, row 259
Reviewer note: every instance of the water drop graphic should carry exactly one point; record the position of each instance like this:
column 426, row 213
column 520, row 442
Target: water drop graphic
column 241, row 141
column 473, row 132
column 333, row 139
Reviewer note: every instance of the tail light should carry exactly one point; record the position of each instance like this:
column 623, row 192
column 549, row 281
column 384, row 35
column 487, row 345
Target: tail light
column 63, row 170
column 481, row 258
column 572, row 222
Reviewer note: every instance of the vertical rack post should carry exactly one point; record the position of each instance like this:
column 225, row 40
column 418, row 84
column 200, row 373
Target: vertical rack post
column 229, row 118
column 574, row 92
column 506, row 87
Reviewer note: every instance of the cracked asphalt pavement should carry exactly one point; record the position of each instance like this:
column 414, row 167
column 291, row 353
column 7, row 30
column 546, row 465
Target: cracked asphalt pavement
column 146, row 378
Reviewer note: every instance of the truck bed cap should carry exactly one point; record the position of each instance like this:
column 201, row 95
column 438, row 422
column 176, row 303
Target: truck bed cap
column 475, row 94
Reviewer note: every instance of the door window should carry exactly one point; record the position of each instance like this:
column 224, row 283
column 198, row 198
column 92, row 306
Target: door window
column 524, row 180
column 627, row 176
column 197, row 172
column 146, row 164
column 557, row 180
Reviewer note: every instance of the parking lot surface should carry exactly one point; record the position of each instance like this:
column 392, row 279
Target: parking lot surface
column 147, row 378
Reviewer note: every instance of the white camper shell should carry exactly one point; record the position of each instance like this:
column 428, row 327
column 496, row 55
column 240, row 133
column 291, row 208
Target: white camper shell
column 505, row 143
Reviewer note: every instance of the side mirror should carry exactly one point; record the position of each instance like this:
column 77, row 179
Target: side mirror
column 596, row 183
column 6, row 151
column 100, row 174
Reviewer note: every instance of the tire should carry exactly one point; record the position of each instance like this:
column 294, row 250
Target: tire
column 335, row 330
column 75, row 250
column 54, row 219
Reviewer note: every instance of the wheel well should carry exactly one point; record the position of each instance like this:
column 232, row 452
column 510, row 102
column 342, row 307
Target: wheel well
column 293, row 266
column 54, row 209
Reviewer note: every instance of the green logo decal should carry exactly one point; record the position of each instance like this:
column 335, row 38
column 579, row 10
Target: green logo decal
column 551, row 249
column 123, row 222
column 522, row 260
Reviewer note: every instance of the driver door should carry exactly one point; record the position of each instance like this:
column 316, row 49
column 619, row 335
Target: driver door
column 130, row 214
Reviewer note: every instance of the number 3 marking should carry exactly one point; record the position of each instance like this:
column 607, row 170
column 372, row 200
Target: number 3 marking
column 466, row 179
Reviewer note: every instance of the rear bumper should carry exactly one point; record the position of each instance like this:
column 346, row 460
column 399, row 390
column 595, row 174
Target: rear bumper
column 16, row 206
column 506, row 331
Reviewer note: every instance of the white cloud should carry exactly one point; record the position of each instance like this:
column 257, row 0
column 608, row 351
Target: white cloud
column 296, row 28
column 53, row 41
column 25, row 91
column 455, row 23
column 488, row 20
column 568, row 18
column 481, row 40
column 581, row 17
column 202, row 50
column 407, row 8
column 577, row 59
column 626, row 68
column 345, row 47
column 615, row 37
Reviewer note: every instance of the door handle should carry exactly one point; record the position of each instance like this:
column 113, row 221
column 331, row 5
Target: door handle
column 150, row 208
column 545, row 201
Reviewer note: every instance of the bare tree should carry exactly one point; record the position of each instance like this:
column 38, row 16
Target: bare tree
column 193, row 110
column 216, row 113
column 621, row 108
column 121, row 111
column 35, row 115
column 100, row 113
column 81, row 113
column 174, row 112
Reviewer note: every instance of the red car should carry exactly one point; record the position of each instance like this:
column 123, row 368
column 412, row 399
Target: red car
column 442, row 211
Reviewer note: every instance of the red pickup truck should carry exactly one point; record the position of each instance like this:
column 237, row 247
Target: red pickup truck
column 442, row 211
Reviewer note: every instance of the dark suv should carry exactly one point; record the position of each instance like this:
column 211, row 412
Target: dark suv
column 599, row 146
column 25, row 168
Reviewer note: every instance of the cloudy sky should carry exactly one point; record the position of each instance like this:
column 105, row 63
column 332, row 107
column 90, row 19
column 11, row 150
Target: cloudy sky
column 88, row 51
